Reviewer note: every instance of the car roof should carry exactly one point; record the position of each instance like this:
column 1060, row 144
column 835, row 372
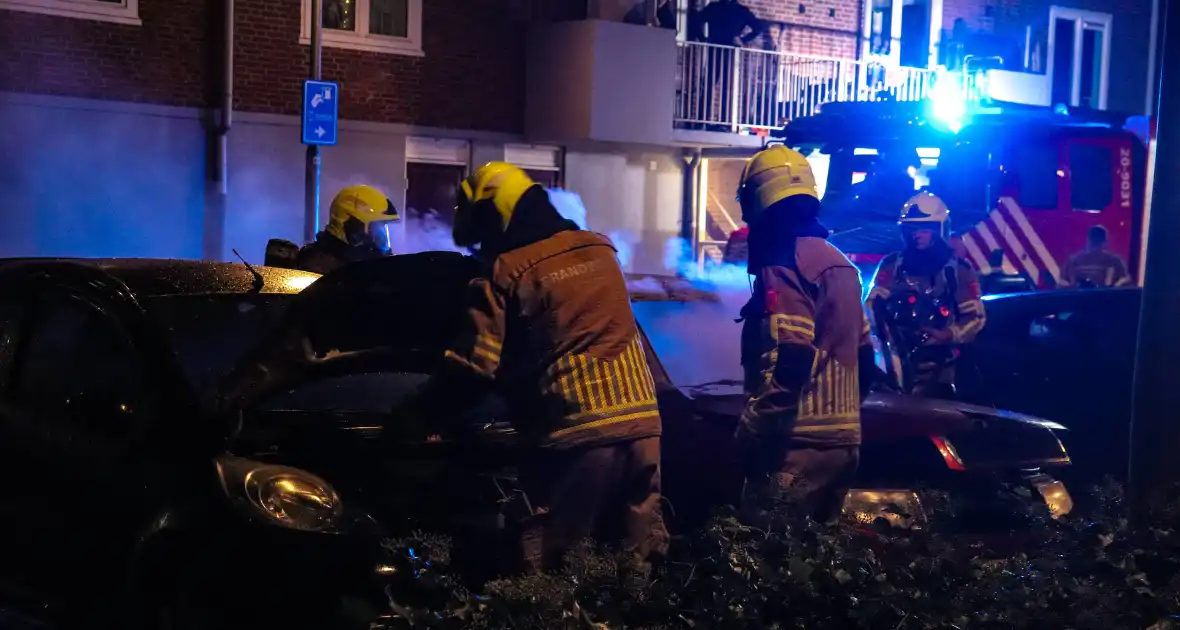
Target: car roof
column 155, row 277
column 1054, row 295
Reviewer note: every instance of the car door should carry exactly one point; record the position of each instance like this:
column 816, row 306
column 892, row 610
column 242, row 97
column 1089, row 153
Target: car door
column 1011, row 364
column 74, row 397
column 1086, row 349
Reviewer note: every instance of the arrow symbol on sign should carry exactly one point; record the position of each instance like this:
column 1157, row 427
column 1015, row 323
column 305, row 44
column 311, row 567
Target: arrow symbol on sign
column 316, row 100
column 319, row 131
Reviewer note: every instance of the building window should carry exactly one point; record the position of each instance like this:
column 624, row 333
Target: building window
column 117, row 11
column 542, row 163
column 384, row 26
column 1037, row 174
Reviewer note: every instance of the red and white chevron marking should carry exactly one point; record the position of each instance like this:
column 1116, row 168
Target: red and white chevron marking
column 1007, row 228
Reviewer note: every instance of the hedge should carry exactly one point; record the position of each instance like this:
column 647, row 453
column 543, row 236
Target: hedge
column 1086, row 571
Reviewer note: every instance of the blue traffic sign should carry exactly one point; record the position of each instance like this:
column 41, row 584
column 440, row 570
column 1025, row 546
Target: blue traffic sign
column 321, row 112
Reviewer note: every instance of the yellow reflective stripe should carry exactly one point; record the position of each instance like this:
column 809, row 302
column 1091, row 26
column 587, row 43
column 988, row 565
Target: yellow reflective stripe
column 971, row 327
column 489, row 342
column 610, row 410
column 597, row 424
column 486, row 370
column 804, row 327
column 605, row 386
column 593, row 399
column 844, row 426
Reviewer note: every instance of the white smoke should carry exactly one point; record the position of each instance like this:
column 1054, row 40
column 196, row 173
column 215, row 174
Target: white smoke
column 680, row 261
column 426, row 232
column 569, row 205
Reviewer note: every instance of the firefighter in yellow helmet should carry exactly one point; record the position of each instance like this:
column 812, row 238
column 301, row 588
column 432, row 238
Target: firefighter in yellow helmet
column 925, row 301
column 804, row 345
column 549, row 326
column 357, row 229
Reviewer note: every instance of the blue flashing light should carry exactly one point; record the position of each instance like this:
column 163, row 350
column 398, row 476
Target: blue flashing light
column 948, row 105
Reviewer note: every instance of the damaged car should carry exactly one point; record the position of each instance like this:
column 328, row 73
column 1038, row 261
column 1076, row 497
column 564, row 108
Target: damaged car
column 204, row 439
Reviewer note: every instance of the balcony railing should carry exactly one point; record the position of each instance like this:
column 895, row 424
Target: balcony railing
column 739, row 89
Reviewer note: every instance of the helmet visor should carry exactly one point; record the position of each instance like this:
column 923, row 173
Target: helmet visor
column 920, row 233
column 378, row 232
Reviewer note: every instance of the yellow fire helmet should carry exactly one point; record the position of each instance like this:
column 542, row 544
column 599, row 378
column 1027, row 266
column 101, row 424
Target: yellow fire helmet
column 772, row 175
column 500, row 182
column 487, row 200
column 925, row 211
column 361, row 213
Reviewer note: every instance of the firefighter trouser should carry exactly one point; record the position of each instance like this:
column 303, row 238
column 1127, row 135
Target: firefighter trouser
column 811, row 481
column 610, row 493
column 934, row 374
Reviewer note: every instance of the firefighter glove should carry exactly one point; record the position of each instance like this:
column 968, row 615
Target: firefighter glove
column 938, row 336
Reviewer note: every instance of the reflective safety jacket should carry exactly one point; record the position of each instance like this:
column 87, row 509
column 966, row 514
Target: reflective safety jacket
column 1095, row 268
column 956, row 278
column 802, row 342
column 553, row 326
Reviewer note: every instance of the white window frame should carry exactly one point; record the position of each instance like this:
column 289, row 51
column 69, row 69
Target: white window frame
column 438, row 151
column 1080, row 19
column 533, row 157
column 125, row 13
column 361, row 39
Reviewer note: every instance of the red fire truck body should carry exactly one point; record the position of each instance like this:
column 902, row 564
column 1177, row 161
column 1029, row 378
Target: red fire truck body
column 1028, row 181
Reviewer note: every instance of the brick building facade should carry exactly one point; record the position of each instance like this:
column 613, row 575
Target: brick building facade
column 471, row 75
column 113, row 116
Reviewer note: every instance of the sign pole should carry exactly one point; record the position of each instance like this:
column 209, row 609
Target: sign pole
column 311, row 172
column 1155, row 432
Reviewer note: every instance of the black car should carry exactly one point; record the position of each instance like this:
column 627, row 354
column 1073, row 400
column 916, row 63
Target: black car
column 1066, row 355
column 202, row 439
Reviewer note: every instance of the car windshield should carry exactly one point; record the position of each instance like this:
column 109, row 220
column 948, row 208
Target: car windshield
column 211, row 333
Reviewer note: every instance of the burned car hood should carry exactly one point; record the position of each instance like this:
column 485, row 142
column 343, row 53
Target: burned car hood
column 883, row 414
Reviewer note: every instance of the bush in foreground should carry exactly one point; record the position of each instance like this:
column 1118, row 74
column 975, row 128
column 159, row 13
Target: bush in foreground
column 1089, row 571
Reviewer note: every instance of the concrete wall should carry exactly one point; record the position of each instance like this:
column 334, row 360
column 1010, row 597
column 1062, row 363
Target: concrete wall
column 95, row 179
column 267, row 174
column 601, row 81
column 632, row 195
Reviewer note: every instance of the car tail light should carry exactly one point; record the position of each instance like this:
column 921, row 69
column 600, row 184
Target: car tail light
column 948, row 452
column 899, row 508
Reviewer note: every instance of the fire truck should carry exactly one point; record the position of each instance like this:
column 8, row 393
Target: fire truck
column 1028, row 181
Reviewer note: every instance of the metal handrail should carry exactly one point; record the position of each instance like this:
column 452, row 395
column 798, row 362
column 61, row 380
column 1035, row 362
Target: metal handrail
column 741, row 89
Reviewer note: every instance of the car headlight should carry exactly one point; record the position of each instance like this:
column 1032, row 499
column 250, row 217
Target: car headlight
column 285, row 496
